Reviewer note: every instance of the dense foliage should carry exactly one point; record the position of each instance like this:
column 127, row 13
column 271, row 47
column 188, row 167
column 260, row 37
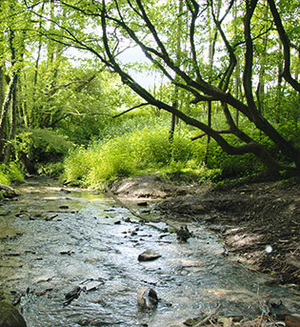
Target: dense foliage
column 119, row 88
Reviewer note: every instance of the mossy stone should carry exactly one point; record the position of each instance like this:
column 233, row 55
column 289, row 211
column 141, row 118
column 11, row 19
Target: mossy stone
column 10, row 316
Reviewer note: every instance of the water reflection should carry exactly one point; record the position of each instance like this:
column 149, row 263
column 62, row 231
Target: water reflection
column 73, row 238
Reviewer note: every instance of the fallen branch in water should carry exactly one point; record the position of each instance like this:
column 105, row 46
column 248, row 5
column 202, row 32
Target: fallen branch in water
column 205, row 320
column 122, row 204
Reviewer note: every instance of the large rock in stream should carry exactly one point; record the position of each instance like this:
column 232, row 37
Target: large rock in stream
column 10, row 316
column 148, row 255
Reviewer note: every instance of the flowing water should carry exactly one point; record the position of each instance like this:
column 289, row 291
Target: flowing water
column 53, row 240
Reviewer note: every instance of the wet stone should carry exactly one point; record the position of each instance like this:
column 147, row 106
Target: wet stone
column 146, row 211
column 74, row 293
column 10, row 316
column 142, row 204
column 63, row 207
column 183, row 234
column 147, row 297
column 149, row 255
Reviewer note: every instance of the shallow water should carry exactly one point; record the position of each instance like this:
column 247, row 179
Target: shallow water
column 59, row 239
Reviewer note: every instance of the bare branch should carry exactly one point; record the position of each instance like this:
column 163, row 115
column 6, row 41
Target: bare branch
column 286, row 47
column 154, row 32
column 247, row 78
column 133, row 108
column 210, row 316
column 226, row 78
column 194, row 9
column 221, row 131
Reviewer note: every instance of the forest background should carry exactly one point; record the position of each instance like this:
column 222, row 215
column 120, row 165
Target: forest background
column 215, row 96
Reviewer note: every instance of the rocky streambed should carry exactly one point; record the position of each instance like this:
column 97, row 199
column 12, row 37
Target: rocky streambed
column 70, row 257
column 249, row 216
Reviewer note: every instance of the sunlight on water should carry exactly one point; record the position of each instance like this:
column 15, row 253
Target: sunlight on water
column 76, row 238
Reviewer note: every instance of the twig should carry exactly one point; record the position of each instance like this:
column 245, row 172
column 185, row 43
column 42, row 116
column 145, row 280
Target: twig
column 205, row 320
column 297, row 249
column 51, row 218
column 135, row 107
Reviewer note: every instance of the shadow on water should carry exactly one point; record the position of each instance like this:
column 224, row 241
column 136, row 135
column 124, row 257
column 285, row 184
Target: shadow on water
column 54, row 239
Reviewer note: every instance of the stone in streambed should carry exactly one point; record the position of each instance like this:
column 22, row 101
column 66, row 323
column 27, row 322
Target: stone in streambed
column 10, row 316
column 142, row 204
column 292, row 320
column 148, row 255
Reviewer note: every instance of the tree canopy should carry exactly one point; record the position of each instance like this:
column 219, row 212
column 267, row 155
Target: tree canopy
column 240, row 58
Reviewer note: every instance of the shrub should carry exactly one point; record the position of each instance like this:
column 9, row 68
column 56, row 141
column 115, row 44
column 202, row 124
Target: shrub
column 148, row 149
column 52, row 169
column 42, row 145
column 10, row 173
column 76, row 165
column 4, row 179
column 191, row 172
column 140, row 151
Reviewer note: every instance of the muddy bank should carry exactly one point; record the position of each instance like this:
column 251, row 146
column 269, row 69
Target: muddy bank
column 151, row 187
column 259, row 222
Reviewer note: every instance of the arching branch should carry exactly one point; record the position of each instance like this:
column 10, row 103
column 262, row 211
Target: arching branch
column 130, row 109
column 286, row 47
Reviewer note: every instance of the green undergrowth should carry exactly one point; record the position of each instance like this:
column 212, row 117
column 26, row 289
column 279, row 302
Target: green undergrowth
column 10, row 173
column 150, row 150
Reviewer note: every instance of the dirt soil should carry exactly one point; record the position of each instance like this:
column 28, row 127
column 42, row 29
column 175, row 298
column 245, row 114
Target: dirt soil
column 259, row 221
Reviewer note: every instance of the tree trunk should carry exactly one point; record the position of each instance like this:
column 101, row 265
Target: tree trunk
column 5, row 107
column 279, row 89
column 1, row 86
column 211, row 53
column 2, row 81
column 209, row 111
column 174, row 119
column 12, row 131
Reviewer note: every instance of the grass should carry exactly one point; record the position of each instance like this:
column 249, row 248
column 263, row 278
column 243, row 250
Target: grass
column 149, row 150
column 10, row 173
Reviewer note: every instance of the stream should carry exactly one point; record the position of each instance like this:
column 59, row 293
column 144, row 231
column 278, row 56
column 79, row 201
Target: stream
column 53, row 239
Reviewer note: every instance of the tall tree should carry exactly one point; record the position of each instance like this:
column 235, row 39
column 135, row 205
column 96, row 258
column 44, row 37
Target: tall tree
column 178, row 55
column 15, row 40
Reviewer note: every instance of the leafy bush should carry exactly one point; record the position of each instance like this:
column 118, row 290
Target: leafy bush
column 145, row 149
column 42, row 145
column 4, row 179
column 109, row 161
column 230, row 165
column 52, row 169
column 10, row 173
column 77, row 164
column 190, row 172
column 140, row 151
